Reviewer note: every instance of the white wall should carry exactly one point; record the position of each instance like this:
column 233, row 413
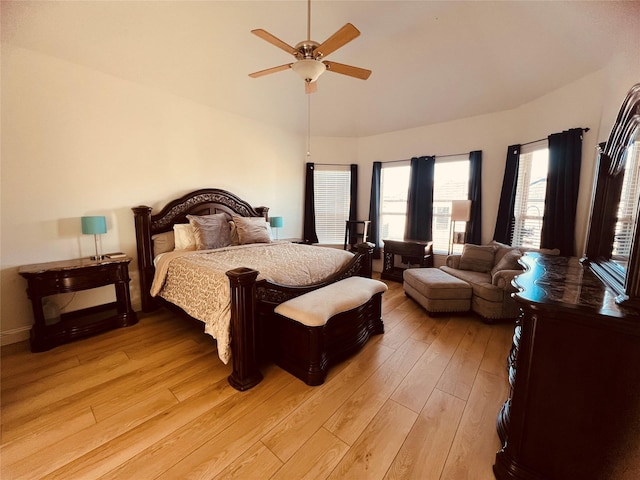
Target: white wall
column 591, row 102
column 76, row 142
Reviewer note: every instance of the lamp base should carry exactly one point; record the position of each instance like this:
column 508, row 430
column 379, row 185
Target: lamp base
column 97, row 257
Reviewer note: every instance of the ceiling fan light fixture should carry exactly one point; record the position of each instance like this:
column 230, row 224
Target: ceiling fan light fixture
column 308, row 69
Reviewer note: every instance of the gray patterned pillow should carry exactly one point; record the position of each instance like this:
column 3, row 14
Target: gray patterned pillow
column 478, row 258
column 210, row 231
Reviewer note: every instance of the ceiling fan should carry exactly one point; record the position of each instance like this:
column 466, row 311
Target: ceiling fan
column 309, row 55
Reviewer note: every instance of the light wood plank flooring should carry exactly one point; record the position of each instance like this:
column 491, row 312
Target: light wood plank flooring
column 152, row 401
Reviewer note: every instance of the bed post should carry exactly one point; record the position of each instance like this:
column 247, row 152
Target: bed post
column 366, row 249
column 243, row 334
column 142, row 217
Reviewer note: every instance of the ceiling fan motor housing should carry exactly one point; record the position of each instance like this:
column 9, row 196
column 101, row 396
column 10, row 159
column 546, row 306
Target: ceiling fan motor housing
column 305, row 49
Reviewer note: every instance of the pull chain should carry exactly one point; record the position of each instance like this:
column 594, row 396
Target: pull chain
column 308, row 125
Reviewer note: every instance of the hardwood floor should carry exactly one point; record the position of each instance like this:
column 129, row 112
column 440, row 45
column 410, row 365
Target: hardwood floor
column 152, row 401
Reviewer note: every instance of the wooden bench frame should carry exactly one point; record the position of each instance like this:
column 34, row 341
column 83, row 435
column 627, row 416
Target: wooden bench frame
column 308, row 352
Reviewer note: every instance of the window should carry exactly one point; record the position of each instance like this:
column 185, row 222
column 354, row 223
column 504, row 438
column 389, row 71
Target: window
column 451, row 182
column 332, row 197
column 627, row 208
column 530, row 195
column 394, row 183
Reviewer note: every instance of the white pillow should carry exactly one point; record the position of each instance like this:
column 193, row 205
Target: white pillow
column 184, row 236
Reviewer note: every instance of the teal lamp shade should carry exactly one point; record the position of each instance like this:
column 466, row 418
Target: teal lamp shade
column 276, row 222
column 94, row 225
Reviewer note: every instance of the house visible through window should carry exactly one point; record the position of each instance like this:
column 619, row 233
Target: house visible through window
column 451, row 182
column 628, row 206
column 393, row 209
column 530, row 195
column 332, row 197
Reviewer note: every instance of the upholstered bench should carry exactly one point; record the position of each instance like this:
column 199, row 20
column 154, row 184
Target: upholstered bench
column 322, row 327
column 436, row 290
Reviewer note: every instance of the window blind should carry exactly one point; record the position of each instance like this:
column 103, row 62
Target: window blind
column 332, row 199
column 530, row 195
column 628, row 206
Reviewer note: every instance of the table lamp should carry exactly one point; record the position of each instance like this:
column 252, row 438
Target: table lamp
column 276, row 222
column 95, row 226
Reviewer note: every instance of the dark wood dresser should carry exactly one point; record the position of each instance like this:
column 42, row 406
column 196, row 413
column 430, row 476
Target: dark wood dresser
column 574, row 369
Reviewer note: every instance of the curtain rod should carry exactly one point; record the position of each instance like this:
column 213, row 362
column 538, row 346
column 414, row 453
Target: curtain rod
column 584, row 130
column 333, row 164
column 436, row 156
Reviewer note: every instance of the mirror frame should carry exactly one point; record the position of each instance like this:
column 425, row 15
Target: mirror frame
column 610, row 166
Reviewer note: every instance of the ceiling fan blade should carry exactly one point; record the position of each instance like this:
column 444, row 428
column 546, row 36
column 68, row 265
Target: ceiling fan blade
column 310, row 87
column 273, row 40
column 357, row 72
column 335, row 41
column 270, row 70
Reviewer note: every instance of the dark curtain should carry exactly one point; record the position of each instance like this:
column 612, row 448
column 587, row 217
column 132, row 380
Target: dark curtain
column 309, row 233
column 374, row 209
column 353, row 205
column 563, row 182
column 420, row 199
column 474, row 232
column 505, row 220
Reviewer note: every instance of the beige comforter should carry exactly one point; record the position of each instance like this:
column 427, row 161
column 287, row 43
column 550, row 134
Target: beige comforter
column 197, row 283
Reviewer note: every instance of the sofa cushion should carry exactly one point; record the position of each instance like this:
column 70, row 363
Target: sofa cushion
column 477, row 258
column 480, row 283
column 489, row 292
column 468, row 276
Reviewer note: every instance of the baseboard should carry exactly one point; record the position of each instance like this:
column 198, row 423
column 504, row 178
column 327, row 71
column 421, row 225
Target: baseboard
column 14, row 336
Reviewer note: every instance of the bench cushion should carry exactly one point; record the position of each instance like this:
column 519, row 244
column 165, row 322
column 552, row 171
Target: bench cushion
column 316, row 307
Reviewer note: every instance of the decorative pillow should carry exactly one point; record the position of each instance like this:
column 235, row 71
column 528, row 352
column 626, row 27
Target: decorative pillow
column 501, row 250
column 252, row 230
column 477, row 258
column 210, row 231
column 234, row 233
column 183, row 237
column 509, row 261
column 163, row 242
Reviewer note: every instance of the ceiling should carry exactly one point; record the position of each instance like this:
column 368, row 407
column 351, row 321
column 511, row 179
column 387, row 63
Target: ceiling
column 432, row 61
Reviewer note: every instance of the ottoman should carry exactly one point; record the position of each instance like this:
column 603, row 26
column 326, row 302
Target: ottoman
column 436, row 290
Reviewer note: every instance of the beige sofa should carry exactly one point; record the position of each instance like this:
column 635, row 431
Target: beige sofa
column 489, row 269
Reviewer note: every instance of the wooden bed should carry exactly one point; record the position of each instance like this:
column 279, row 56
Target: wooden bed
column 252, row 300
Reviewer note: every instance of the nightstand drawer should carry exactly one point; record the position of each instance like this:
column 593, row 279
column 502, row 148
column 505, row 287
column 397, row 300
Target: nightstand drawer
column 73, row 281
column 98, row 277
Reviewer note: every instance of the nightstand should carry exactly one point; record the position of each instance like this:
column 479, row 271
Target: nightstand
column 51, row 278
